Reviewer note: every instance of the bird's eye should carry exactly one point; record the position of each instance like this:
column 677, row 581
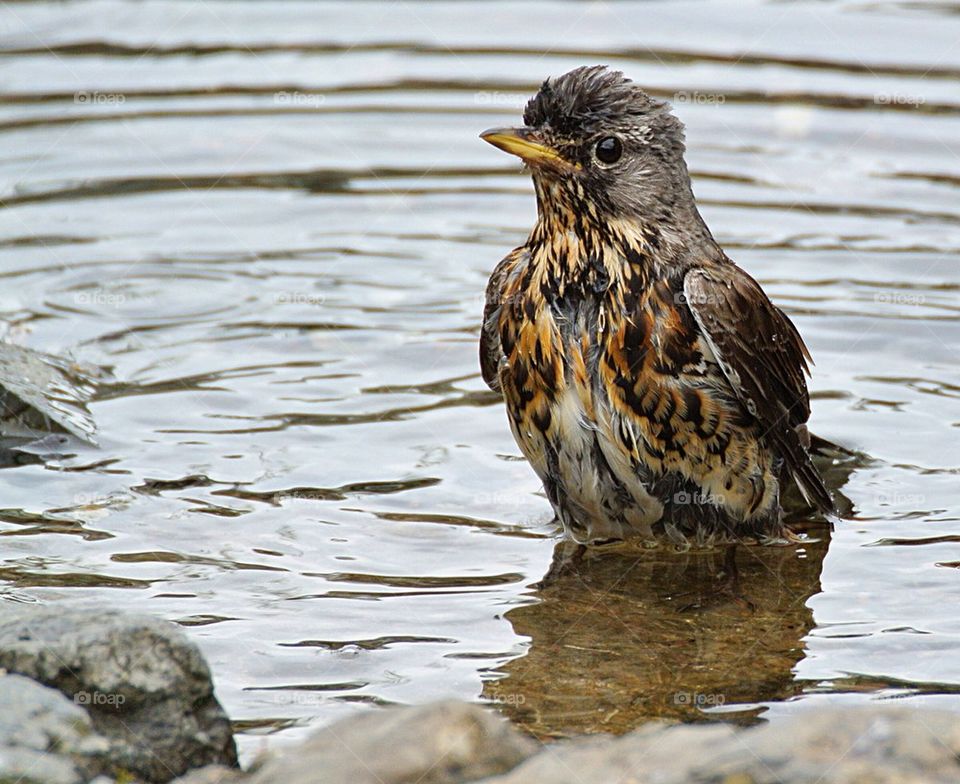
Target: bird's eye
column 609, row 149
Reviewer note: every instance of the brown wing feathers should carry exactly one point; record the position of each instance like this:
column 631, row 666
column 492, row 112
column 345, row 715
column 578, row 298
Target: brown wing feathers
column 491, row 352
column 763, row 359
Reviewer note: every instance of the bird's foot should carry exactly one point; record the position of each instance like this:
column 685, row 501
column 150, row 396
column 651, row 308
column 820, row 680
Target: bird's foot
column 728, row 580
column 564, row 562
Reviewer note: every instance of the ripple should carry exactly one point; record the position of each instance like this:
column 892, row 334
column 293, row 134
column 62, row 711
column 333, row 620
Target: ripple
column 342, row 493
column 659, row 56
column 900, row 542
column 372, row 644
column 420, row 581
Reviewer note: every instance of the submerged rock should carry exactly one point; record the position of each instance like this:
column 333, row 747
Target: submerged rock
column 443, row 743
column 44, row 737
column 41, row 393
column 145, row 686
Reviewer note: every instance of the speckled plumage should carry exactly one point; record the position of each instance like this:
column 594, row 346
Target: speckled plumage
column 650, row 382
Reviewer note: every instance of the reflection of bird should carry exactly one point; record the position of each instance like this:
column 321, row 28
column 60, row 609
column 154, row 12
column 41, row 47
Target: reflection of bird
column 648, row 379
column 663, row 637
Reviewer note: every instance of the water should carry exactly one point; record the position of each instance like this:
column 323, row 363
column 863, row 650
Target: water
column 273, row 222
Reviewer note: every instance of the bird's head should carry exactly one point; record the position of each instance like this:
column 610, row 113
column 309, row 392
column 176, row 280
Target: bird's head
column 600, row 146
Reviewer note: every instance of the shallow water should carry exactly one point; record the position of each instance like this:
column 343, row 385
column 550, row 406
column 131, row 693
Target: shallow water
column 273, row 223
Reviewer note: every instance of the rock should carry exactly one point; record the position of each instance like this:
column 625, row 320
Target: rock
column 443, row 743
column 143, row 709
column 657, row 753
column 451, row 742
column 44, row 737
column 831, row 747
column 212, row 774
column 26, row 766
column 145, row 686
column 41, row 393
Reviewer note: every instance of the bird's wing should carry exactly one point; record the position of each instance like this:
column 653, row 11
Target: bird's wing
column 763, row 358
column 491, row 352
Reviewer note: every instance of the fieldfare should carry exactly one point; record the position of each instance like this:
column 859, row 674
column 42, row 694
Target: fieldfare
column 648, row 379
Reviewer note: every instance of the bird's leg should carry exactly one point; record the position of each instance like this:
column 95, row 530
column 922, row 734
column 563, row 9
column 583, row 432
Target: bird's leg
column 729, row 577
column 729, row 573
column 564, row 561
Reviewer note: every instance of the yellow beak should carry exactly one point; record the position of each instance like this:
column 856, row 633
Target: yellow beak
column 524, row 143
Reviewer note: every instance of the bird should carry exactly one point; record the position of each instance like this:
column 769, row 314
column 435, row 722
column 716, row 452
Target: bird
column 649, row 381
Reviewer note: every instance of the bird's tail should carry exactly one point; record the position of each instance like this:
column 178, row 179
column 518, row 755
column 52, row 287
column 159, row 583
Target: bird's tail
column 824, row 448
column 797, row 443
column 812, row 488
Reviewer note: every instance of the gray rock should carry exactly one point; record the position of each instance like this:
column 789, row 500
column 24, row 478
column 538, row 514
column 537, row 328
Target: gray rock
column 40, row 393
column 453, row 742
column 443, row 743
column 656, row 753
column 831, row 747
column 145, row 686
column 44, row 737
column 26, row 766
column 212, row 774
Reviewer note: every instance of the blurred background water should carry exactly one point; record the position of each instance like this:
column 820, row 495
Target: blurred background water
column 273, row 223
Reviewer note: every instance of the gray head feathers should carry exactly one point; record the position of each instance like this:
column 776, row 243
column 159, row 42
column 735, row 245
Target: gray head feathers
column 593, row 99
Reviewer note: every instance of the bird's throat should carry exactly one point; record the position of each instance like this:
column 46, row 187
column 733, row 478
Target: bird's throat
column 573, row 247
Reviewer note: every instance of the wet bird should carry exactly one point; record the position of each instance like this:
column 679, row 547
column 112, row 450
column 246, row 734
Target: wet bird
column 649, row 381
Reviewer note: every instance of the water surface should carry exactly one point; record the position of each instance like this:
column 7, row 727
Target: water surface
column 273, row 223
